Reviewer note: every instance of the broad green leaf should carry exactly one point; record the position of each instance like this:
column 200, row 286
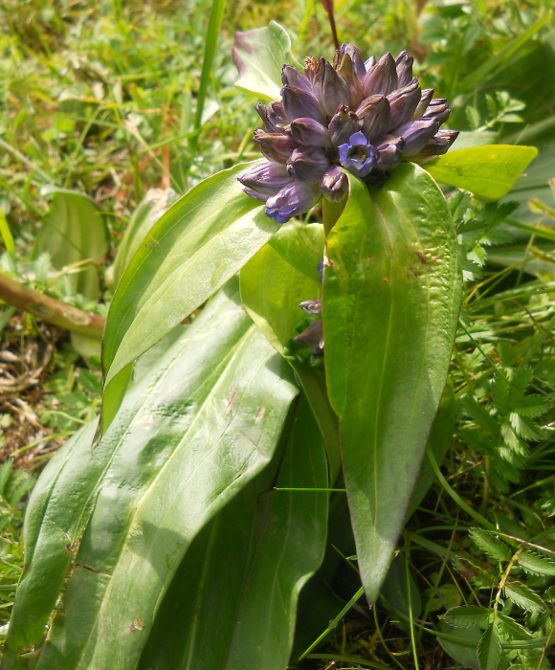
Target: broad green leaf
column 273, row 283
column 259, row 56
column 489, row 171
column 155, row 204
column 190, row 435
column 202, row 241
column 396, row 592
column 524, row 597
column 463, row 650
column 467, row 616
column 489, row 648
column 244, row 571
column 440, row 440
column 468, row 139
column 392, row 291
column 74, row 231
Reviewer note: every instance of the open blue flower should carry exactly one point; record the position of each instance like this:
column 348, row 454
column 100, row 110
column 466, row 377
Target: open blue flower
column 358, row 155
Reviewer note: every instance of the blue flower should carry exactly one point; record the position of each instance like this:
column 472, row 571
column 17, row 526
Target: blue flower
column 358, row 155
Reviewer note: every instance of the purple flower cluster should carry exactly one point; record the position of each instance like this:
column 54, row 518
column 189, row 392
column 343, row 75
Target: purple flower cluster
column 363, row 116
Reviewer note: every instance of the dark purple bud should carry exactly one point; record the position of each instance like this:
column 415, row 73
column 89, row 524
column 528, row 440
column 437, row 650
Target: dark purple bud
column 296, row 198
column 310, row 133
column 381, row 79
column 354, row 54
column 265, row 180
column 290, row 76
column 439, row 111
column 329, row 88
column 312, row 306
column 403, row 65
column 403, row 102
column 427, row 94
column 353, row 83
column 375, row 115
column 275, row 146
column 272, row 120
column 308, row 164
column 300, row 104
column 390, row 150
column 417, row 133
column 449, row 135
column 343, row 124
column 358, row 155
column 334, row 184
column 370, row 62
column 313, row 336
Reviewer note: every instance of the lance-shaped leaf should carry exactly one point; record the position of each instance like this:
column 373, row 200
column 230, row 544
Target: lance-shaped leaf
column 259, row 56
column 202, row 241
column 243, row 573
column 273, row 283
column 392, row 291
column 190, row 435
column 489, row 171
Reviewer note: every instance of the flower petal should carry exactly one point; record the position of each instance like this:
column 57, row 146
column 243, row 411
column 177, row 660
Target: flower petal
column 356, row 59
column 329, row 88
column 308, row 164
column 265, row 180
column 403, row 65
column 417, row 133
column 310, row 133
column 290, row 76
column 334, row 184
column 275, row 146
column 375, row 116
column 381, row 79
column 300, row 104
column 343, row 124
column 403, row 103
column 294, row 199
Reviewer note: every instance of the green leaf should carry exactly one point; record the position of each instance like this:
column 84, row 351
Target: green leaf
column 524, row 597
column 259, row 56
column 536, row 564
column 6, row 233
column 487, row 542
column 489, row 171
column 489, row 648
column 467, row 616
column 273, row 283
column 243, row 573
column 464, row 651
column 202, row 241
column 513, row 629
column 190, row 435
column 392, row 291
column 155, row 204
column 73, row 231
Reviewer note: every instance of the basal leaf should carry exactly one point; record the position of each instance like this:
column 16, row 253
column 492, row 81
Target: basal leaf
column 259, row 56
column 489, row 648
column 190, row 435
column 392, row 287
column 489, row 171
column 467, row 616
column 202, row 241
column 243, row 573
column 73, row 231
column 273, row 283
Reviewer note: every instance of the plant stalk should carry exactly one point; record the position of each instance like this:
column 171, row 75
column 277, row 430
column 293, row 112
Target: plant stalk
column 49, row 309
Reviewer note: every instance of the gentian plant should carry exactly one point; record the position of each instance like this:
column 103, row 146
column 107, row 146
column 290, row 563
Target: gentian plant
column 180, row 530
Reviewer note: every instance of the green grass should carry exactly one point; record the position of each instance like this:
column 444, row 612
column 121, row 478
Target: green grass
column 103, row 98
